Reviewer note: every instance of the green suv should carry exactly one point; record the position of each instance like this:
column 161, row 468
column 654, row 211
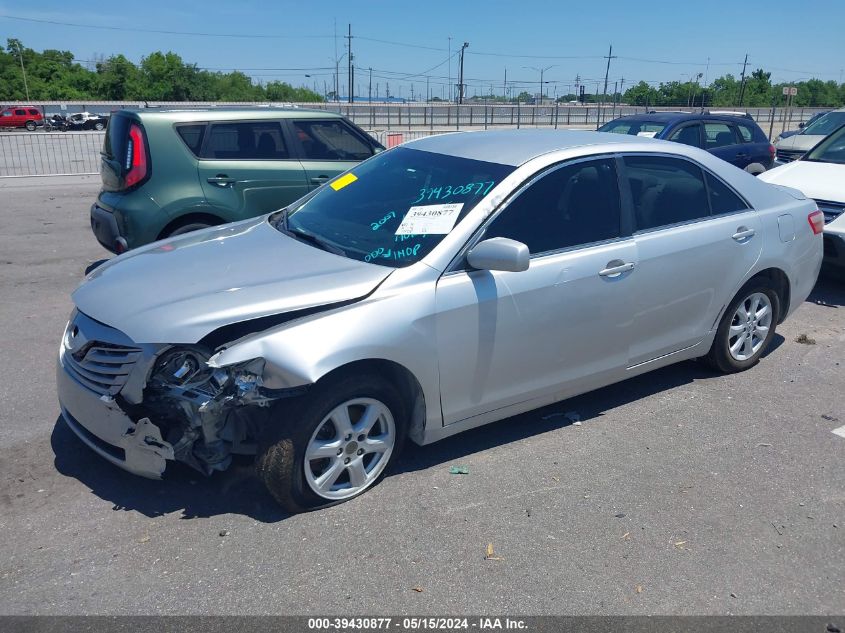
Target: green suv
column 167, row 172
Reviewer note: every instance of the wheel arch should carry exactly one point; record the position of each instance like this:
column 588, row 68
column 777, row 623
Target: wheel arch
column 189, row 218
column 780, row 283
column 410, row 389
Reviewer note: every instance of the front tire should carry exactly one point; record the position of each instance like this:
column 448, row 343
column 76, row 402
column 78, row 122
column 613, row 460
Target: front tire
column 746, row 329
column 99, row 126
column 333, row 444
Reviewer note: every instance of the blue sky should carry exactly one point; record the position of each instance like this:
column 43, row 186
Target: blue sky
column 654, row 41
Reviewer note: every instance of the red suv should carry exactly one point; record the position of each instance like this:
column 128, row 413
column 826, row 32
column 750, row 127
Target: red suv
column 21, row 116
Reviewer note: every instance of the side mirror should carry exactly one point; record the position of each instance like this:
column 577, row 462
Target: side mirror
column 499, row 253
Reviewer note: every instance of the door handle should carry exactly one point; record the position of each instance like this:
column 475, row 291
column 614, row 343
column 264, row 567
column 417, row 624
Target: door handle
column 221, row 180
column 319, row 180
column 743, row 233
column 616, row 268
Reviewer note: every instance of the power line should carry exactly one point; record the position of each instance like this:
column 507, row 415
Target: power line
column 162, row 32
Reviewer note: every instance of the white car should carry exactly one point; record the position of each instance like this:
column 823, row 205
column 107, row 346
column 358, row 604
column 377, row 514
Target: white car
column 793, row 147
column 820, row 174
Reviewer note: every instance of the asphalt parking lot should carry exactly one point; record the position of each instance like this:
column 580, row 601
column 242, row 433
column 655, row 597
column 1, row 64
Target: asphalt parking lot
column 681, row 491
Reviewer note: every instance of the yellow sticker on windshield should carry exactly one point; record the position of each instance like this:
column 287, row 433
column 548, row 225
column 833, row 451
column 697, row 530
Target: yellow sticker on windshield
column 346, row 179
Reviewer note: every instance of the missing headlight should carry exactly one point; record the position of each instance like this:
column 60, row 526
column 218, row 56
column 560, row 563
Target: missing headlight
column 187, row 368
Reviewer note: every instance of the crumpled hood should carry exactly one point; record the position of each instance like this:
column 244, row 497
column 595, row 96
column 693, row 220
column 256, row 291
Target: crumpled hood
column 179, row 290
column 820, row 181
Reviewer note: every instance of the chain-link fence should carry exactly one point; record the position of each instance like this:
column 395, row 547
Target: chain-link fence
column 53, row 154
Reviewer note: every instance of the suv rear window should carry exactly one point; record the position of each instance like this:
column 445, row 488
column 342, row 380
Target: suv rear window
column 192, row 135
column 34, row 112
column 256, row 140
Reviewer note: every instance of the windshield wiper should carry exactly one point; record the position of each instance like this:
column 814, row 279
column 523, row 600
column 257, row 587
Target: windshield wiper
column 312, row 239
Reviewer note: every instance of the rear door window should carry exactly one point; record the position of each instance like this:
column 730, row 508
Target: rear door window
column 665, row 191
column 330, row 140
column 718, row 135
column 722, row 199
column 688, row 135
column 252, row 140
column 571, row 206
column 20, row 112
column 745, row 132
column 33, row 112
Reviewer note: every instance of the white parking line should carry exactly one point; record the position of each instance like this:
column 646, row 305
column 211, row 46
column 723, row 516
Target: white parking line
column 839, row 431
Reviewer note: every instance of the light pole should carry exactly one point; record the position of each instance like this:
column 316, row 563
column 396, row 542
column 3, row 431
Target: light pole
column 337, row 76
column 541, row 71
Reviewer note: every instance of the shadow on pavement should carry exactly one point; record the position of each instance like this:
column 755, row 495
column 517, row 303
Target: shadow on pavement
column 829, row 290
column 588, row 406
column 235, row 491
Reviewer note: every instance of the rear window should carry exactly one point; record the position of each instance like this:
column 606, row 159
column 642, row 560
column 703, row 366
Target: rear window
column 192, row 135
column 34, row 112
column 633, row 127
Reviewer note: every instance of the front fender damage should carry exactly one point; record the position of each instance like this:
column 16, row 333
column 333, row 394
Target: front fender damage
column 199, row 414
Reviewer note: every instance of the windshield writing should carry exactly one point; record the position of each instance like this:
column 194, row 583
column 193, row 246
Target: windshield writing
column 394, row 208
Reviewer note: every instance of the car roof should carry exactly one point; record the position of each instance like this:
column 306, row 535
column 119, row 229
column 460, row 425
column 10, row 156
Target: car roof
column 517, row 147
column 230, row 113
column 676, row 117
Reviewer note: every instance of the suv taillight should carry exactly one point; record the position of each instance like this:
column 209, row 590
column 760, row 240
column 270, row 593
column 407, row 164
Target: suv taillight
column 136, row 156
column 816, row 220
column 772, row 150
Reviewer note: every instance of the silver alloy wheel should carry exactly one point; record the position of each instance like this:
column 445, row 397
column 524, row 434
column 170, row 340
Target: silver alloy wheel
column 749, row 326
column 350, row 448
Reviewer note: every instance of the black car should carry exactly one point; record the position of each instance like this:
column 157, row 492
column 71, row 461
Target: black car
column 736, row 139
column 87, row 121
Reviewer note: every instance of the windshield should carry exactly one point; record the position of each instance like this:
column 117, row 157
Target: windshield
column 830, row 150
column 633, row 127
column 394, row 208
column 824, row 125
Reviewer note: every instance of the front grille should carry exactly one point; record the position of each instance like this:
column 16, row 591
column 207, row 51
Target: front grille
column 102, row 367
column 831, row 210
column 788, row 155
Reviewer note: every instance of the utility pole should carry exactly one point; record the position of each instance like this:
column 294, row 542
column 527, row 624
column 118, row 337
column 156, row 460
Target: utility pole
column 351, row 73
column 461, row 82
column 578, row 87
column 370, row 89
column 505, row 85
column 450, row 68
column 610, row 56
column 742, row 85
column 427, row 92
column 20, row 56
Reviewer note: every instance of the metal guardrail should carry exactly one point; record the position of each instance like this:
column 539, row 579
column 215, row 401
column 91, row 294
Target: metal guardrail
column 53, row 154
column 69, row 153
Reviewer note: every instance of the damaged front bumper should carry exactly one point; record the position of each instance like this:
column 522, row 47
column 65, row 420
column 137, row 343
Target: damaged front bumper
column 103, row 426
column 141, row 406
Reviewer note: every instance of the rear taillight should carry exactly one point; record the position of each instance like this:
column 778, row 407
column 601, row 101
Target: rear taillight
column 772, row 150
column 136, row 156
column 816, row 220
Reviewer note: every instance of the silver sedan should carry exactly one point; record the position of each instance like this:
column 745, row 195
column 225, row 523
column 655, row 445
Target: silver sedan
column 441, row 285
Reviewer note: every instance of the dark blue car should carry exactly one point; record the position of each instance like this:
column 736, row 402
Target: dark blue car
column 738, row 140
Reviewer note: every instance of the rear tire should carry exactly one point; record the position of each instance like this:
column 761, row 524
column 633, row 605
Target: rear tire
column 188, row 228
column 99, row 126
column 30, row 126
column 333, row 444
column 746, row 328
